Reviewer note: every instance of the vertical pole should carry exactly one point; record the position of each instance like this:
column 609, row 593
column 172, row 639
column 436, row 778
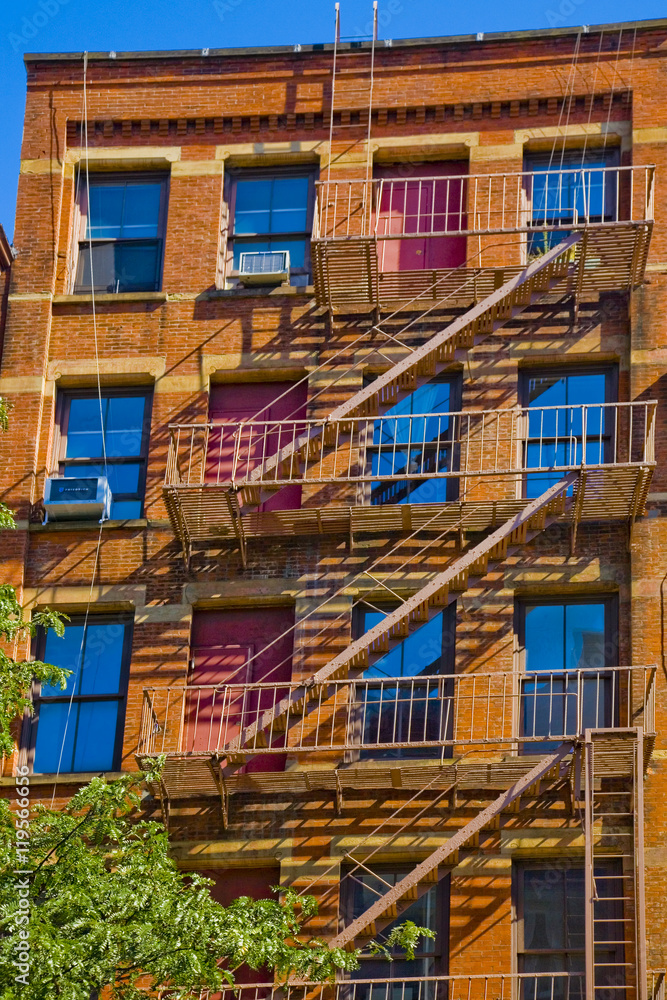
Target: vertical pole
column 589, row 885
column 369, row 158
column 640, row 911
column 333, row 93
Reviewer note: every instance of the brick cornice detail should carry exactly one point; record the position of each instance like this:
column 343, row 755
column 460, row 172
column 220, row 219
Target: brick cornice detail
column 116, row 129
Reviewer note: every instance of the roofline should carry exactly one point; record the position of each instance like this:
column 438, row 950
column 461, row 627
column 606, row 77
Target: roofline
column 494, row 36
column 6, row 251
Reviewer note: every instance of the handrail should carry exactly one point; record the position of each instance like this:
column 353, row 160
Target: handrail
column 426, row 446
column 417, row 712
column 517, row 201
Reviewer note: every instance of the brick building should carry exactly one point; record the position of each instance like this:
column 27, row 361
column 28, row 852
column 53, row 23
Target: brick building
column 367, row 341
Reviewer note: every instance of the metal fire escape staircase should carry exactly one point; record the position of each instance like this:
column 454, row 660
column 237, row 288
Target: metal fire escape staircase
column 411, row 614
column 425, row 362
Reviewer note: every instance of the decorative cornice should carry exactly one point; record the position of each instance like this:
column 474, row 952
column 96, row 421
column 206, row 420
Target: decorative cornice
column 167, row 128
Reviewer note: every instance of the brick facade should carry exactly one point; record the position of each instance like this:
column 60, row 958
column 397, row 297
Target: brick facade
column 196, row 118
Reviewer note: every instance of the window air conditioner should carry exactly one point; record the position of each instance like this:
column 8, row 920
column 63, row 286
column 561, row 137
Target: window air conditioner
column 268, row 267
column 77, row 499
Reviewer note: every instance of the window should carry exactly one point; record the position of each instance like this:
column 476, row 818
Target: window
column 416, row 436
column 568, row 648
column 567, row 421
column 570, row 188
column 274, row 211
column 122, row 233
column 121, row 433
column 550, row 904
column 81, row 728
column 404, row 697
column 360, row 888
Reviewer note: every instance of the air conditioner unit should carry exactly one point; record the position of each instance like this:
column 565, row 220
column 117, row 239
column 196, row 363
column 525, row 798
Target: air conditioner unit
column 79, row 498
column 268, row 267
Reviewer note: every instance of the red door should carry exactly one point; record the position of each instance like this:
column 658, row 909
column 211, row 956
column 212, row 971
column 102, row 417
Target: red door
column 422, row 199
column 232, row 648
column 265, row 404
column 230, row 883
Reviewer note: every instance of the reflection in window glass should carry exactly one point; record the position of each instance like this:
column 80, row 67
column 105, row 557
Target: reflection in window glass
column 122, row 246
column 561, row 640
column 77, row 727
column 117, row 426
column 552, row 929
column 272, row 213
column 560, row 433
column 420, row 446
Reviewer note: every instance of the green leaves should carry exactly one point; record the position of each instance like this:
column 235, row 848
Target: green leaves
column 16, row 676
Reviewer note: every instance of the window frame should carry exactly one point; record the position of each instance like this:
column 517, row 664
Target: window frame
column 61, row 424
column 519, row 867
column 610, row 372
column 79, row 239
column 452, row 483
column 234, row 175
column 611, row 647
column 440, row 953
column 31, row 724
column 448, row 663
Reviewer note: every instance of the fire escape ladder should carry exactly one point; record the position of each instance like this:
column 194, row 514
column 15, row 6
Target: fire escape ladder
column 430, row 359
column 411, row 613
column 613, row 769
column 389, row 906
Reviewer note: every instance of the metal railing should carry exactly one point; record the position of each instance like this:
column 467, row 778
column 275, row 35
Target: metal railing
column 387, row 450
column 483, row 986
column 467, row 204
column 377, row 715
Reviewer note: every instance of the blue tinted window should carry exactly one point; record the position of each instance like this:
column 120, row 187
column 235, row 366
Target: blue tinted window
column 271, row 205
column 74, row 734
column 127, row 210
column 564, row 636
column 117, row 424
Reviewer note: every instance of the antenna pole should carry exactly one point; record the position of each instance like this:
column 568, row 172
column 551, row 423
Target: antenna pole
column 333, row 86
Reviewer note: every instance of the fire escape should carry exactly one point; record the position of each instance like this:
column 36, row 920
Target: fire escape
column 475, row 723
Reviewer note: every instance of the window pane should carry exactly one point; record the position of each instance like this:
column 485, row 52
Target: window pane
column 584, row 636
column 252, row 210
column 105, row 217
column 123, row 510
column 141, row 212
column 84, row 436
column 103, row 658
column 543, row 909
column 544, row 638
column 95, row 736
column 124, row 425
column 55, row 733
column 64, row 652
column 122, row 478
column 121, row 266
column 289, row 207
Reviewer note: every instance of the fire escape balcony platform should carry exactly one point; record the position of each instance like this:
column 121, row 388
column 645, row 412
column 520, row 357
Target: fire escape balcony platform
column 347, row 277
column 364, row 230
column 199, row 775
column 204, row 512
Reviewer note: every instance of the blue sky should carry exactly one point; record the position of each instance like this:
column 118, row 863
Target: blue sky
column 75, row 25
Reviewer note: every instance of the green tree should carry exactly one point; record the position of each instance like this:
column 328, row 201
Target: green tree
column 101, row 902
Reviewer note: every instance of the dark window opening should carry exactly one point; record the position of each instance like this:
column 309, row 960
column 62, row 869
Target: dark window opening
column 122, row 238
column 551, row 929
column 359, row 890
column 81, row 728
column 108, row 438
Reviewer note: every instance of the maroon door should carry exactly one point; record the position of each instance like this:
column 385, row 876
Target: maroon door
column 410, row 202
column 265, row 404
column 230, row 883
column 230, row 648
